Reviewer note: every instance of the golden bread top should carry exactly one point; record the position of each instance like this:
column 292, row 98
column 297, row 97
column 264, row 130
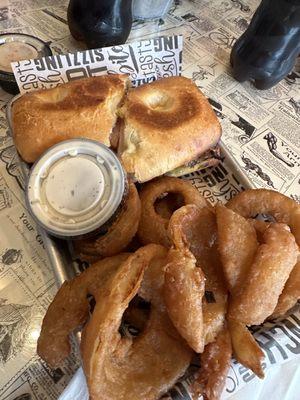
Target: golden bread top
column 76, row 94
column 81, row 108
column 167, row 123
column 166, row 103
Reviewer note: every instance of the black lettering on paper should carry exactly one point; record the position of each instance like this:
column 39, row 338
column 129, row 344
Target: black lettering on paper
column 96, row 71
column 99, row 55
column 40, row 64
column 51, row 63
column 76, row 73
column 84, row 57
column 76, row 61
column 268, row 345
column 219, row 173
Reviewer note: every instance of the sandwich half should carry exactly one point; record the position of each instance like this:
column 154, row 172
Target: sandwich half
column 81, row 108
column 167, row 126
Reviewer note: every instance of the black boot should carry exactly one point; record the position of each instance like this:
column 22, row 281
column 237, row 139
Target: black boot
column 267, row 51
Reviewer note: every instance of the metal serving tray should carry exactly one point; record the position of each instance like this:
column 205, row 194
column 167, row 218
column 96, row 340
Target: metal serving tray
column 59, row 251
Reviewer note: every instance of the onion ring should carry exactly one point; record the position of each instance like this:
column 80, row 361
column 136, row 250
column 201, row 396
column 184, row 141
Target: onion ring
column 262, row 201
column 118, row 236
column 196, row 228
column 237, row 246
column 115, row 366
column 291, row 291
column 153, row 227
column 290, row 294
column 267, row 276
column 168, row 204
column 215, row 363
column 246, row 350
column 70, row 308
column 183, row 292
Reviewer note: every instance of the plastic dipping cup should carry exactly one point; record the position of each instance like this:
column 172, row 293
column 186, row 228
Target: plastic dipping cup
column 75, row 188
column 17, row 47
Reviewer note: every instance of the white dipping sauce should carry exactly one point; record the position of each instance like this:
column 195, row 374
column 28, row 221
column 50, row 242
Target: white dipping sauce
column 15, row 51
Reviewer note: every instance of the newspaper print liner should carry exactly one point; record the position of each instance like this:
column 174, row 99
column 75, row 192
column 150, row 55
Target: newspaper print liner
column 218, row 183
column 144, row 61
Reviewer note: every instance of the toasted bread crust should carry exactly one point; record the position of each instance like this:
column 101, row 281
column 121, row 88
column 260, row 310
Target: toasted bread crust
column 166, row 124
column 82, row 108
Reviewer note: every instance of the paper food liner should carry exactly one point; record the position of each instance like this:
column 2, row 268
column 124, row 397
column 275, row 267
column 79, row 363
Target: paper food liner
column 143, row 61
column 146, row 61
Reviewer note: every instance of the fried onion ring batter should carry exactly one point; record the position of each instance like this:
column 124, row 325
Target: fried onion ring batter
column 263, row 201
column 245, row 348
column 70, row 308
column 143, row 367
column 153, row 226
column 238, row 245
column 215, row 363
column 118, row 236
column 183, row 293
column 268, row 274
column 291, row 291
column 285, row 210
column 290, row 294
column 196, row 228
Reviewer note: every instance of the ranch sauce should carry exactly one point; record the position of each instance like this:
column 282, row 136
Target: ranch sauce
column 15, row 51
